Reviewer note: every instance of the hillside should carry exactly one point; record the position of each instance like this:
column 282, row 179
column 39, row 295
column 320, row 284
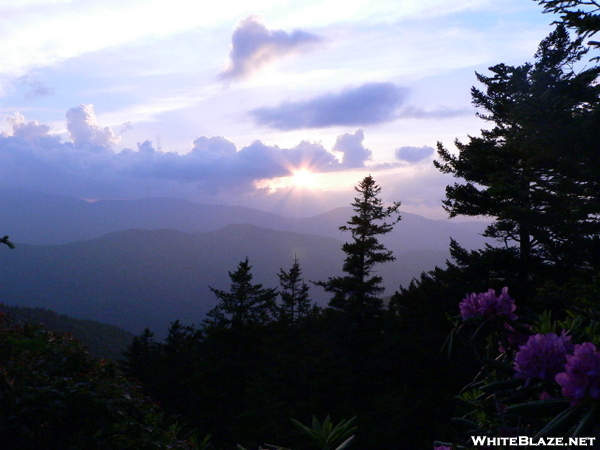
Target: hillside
column 102, row 340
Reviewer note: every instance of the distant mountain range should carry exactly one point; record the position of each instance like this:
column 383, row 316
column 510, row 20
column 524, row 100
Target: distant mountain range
column 36, row 218
column 145, row 263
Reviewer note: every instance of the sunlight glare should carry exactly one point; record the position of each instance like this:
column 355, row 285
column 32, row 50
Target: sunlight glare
column 303, row 178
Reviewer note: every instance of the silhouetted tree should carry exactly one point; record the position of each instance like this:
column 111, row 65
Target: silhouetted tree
column 533, row 171
column 5, row 241
column 293, row 293
column 581, row 15
column 359, row 291
column 245, row 303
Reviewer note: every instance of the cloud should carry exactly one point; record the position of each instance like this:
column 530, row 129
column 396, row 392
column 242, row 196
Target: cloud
column 351, row 145
column 84, row 130
column 215, row 163
column 89, row 166
column 254, row 46
column 370, row 103
column 36, row 88
column 414, row 154
column 442, row 112
column 216, row 145
column 28, row 131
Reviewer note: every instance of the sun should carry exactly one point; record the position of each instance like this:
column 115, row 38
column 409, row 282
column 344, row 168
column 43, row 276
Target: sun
column 303, row 178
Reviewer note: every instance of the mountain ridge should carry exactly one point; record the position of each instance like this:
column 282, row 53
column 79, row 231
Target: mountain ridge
column 37, row 218
column 149, row 278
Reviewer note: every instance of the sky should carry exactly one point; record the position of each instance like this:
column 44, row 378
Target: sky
column 278, row 105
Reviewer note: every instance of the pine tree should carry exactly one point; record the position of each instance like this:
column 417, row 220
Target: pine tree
column 358, row 292
column 533, row 171
column 293, row 293
column 581, row 15
column 245, row 303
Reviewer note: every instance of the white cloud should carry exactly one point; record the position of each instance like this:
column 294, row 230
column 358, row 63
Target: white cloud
column 84, row 130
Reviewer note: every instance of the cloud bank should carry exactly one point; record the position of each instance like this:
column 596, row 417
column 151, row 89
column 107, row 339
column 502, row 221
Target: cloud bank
column 88, row 166
column 370, row 103
column 253, row 46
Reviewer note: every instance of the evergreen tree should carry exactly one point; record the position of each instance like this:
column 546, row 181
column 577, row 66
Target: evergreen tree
column 293, row 293
column 245, row 303
column 533, row 171
column 5, row 241
column 359, row 291
column 581, row 15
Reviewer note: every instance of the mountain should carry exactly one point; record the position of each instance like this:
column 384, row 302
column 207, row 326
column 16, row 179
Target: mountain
column 147, row 262
column 149, row 278
column 36, row 218
column 102, row 340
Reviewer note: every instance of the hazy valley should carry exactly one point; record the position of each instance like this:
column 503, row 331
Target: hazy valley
column 146, row 263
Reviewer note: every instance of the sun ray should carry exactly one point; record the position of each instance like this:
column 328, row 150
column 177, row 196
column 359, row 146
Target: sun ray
column 303, row 178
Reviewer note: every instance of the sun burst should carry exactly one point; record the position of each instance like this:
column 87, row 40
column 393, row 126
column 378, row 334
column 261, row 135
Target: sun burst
column 303, row 178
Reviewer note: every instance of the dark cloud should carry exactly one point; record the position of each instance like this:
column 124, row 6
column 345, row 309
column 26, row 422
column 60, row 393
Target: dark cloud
column 370, row 103
column 351, row 145
column 414, row 154
column 253, row 46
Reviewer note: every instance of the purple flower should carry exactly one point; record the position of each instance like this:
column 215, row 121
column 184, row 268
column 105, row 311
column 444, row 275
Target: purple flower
column 486, row 304
column 543, row 356
column 511, row 338
column 582, row 373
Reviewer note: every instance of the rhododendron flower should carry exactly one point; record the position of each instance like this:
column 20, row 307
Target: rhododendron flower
column 511, row 338
column 487, row 304
column 543, row 356
column 582, row 373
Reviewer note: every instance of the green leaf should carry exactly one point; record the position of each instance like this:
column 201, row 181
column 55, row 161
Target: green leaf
column 541, row 408
column 345, row 444
column 501, row 385
column 500, row 366
column 561, row 423
column 464, row 423
column 588, row 422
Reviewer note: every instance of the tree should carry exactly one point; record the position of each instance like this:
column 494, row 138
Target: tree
column 245, row 303
column 533, row 171
column 5, row 241
column 293, row 293
column 581, row 15
column 358, row 292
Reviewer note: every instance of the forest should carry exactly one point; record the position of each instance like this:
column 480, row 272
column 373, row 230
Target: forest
column 502, row 342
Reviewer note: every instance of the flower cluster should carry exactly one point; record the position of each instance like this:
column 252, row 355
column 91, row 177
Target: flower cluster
column 543, row 356
column 582, row 374
column 487, row 304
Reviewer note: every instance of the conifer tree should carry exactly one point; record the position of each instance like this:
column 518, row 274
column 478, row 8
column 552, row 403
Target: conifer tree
column 581, row 15
column 533, row 171
column 358, row 292
column 293, row 293
column 245, row 303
